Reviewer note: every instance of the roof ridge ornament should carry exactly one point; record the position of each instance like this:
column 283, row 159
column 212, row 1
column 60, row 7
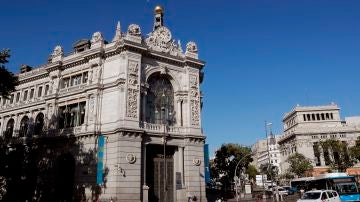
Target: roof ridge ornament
column 117, row 36
column 158, row 17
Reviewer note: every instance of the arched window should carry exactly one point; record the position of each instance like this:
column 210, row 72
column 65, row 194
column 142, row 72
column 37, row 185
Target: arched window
column 39, row 124
column 24, row 125
column 160, row 101
column 9, row 128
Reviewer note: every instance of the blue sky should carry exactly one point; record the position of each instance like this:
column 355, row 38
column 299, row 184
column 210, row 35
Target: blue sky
column 263, row 57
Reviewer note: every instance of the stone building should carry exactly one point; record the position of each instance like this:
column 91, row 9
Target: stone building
column 266, row 151
column 306, row 126
column 133, row 103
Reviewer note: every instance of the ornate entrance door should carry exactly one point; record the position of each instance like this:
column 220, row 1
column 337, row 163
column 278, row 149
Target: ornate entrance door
column 163, row 179
column 160, row 173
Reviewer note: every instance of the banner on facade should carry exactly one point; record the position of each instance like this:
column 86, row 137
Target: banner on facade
column 206, row 163
column 100, row 164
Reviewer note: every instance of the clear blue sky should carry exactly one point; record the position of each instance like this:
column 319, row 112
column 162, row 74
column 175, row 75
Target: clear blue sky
column 263, row 57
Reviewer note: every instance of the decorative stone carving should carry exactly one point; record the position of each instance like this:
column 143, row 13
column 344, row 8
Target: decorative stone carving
column 117, row 36
column 133, row 67
column 161, row 40
column 191, row 47
column 134, row 30
column 195, row 112
column 97, row 37
column 193, row 81
column 58, row 51
column 132, row 104
column 131, row 158
column 163, row 69
column 133, row 91
column 196, row 162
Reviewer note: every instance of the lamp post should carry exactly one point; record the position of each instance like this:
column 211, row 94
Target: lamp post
column 165, row 118
column 237, row 194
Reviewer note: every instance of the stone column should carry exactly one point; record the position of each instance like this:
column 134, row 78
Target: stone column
column 322, row 159
column 145, row 187
column 181, row 164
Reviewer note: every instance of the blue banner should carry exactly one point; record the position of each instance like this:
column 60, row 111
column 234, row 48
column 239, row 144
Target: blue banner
column 206, row 163
column 100, row 164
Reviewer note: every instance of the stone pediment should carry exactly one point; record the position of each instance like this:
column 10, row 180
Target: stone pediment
column 160, row 40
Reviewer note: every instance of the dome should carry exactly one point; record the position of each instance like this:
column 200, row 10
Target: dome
column 158, row 9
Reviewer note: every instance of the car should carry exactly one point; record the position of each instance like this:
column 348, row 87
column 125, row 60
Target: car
column 289, row 190
column 282, row 191
column 320, row 196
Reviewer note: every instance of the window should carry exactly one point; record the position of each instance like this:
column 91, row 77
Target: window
column 25, row 95
column 46, row 89
column 40, row 91
column 331, row 116
column 322, row 116
column 24, row 126
column 318, row 117
column 313, row 117
column 17, row 97
column 323, row 196
column 327, row 116
column 85, row 77
column 65, row 83
column 76, row 80
column 160, row 101
column 304, row 117
column 9, row 128
column 72, row 115
column 39, row 124
column 4, row 101
column 32, row 93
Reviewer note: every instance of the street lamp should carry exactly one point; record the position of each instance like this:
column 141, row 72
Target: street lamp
column 237, row 195
column 165, row 118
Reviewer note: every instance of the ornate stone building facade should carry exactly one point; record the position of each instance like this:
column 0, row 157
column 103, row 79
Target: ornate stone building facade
column 266, row 151
column 141, row 94
column 306, row 126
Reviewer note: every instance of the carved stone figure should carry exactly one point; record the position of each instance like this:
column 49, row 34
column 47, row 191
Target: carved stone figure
column 191, row 47
column 161, row 40
column 134, row 30
column 97, row 37
column 58, row 51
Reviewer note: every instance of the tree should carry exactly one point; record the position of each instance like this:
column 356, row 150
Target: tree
column 252, row 172
column 299, row 164
column 337, row 154
column 8, row 80
column 227, row 157
column 355, row 150
column 270, row 170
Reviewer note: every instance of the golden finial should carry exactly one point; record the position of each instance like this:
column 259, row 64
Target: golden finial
column 158, row 9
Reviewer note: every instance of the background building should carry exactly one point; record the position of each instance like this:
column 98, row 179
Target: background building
column 132, row 107
column 265, row 151
column 306, row 126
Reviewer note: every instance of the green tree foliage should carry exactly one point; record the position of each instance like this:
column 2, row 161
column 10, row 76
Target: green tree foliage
column 299, row 164
column 252, row 172
column 8, row 80
column 338, row 155
column 355, row 150
column 227, row 157
column 270, row 170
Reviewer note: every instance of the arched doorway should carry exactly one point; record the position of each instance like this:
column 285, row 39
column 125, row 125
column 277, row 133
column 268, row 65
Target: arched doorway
column 9, row 128
column 24, row 125
column 39, row 124
column 160, row 101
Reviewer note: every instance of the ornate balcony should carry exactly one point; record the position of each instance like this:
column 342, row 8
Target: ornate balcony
column 161, row 128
